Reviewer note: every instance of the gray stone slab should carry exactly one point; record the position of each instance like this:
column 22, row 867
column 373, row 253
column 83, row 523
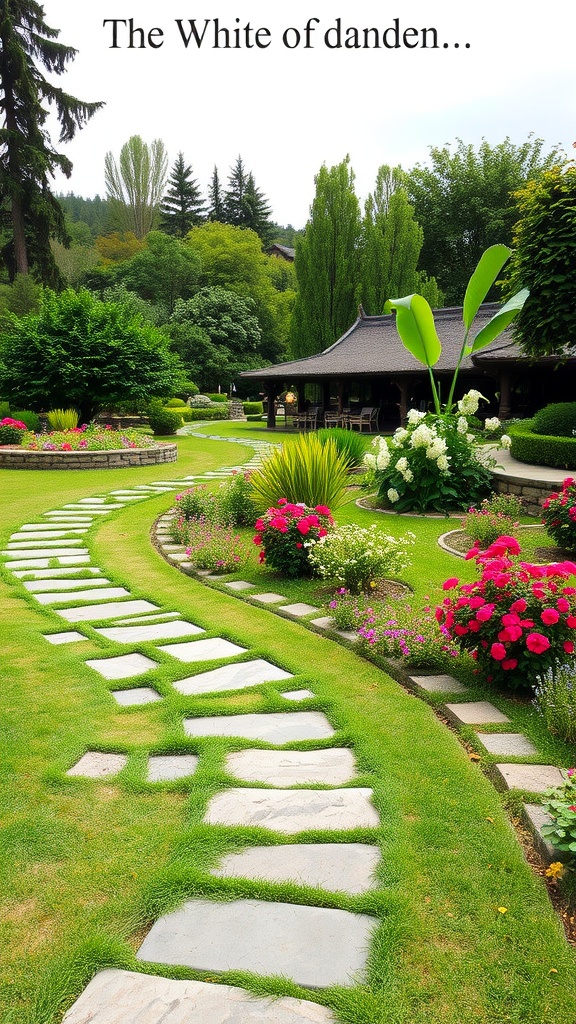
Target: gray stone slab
column 298, row 609
column 324, row 622
column 182, row 557
column 276, row 728
column 478, row 712
column 106, row 594
column 47, row 527
column 169, row 767
column 510, row 744
column 136, row 696
column 331, row 766
column 63, row 516
column 170, row 546
column 441, row 683
column 64, row 638
column 534, row 817
column 23, row 545
column 150, row 631
column 338, row 867
column 54, row 584
column 42, row 535
column 297, row 694
column 240, row 585
column 268, row 598
column 96, row 765
column 347, row 634
column 536, row 778
column 231, row 677
column 314, row 946
column 122, row 667
column 43, row 563
column 204, row 650
column 45, row 574
column 42, row 552
column 93, row 510
column 91, row 501
column 148, row 618
column 293, row 811
column 127, row 997
column 92, row 612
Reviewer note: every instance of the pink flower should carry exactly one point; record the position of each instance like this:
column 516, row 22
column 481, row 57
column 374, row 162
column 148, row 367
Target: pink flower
column 498, row 652
column 568, row 646
column 451, row 583
column 460, row 630
column 323, row 510
column 508, row 664
column 298, row 544
column 259, row 525
column 257, row 539
column 537, row 643
column 563, row 605
column 571, row 621
column 550, row 616
column 303, row 526
column 485, row 613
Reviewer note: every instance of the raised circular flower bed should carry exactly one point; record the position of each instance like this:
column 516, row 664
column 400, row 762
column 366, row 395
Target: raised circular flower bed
column 19, row 458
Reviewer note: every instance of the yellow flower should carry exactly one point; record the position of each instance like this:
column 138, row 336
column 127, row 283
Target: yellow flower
column 502, row 910
column 555, row 870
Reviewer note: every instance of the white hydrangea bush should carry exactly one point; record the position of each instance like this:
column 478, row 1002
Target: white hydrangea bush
column 358, row 558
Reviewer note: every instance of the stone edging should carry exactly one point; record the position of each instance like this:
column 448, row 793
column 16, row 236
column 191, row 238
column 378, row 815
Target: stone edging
column 444, row 543
column 117, row 458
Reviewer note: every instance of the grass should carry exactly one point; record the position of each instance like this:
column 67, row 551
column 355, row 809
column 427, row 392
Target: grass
column 88, row 865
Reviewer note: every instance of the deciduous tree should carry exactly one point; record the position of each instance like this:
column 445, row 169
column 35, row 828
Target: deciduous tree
column 134, row 185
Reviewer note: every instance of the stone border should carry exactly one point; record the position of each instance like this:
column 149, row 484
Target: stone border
column 531, row 492
column 444, row 539
column 361, row 503
column 117, row 458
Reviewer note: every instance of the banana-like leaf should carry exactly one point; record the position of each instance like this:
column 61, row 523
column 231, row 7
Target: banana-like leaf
column 416, row 327
column 499, row 321
column 489, row 266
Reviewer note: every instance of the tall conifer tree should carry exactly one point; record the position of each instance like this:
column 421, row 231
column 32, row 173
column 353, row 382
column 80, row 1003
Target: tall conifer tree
column 216, row 199
column 182, row 206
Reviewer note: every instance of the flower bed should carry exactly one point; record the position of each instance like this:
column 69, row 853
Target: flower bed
column 87, row 447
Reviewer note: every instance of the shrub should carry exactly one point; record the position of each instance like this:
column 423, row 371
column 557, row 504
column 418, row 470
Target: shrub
column 63, row 419
column 236, row 501
column 255, row 419
column 31, row 419
column 561, row 805
column 215, row 546
column 163, row 421
column 253, row 408
column 213, row 412
column 539, row 450
column 496, row 516
column 358, row 558
column 557, row 420
column 559, row 515
column 555, row 700
column 175, row 403
column 286, row 534
column 351, row 445
column 200, row 402
column 217, row 396
column 12, row 431
column 302, row 470
column 192, row 504
column 518, row 619
column 4, row 409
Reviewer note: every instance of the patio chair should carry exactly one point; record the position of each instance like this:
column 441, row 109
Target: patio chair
column 332, row 418
column 367, row 417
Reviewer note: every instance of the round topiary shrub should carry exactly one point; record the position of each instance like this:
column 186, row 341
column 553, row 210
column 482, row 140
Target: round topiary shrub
column 556, row 420
column 163, row 421
column 175, row 403
column 200, row 402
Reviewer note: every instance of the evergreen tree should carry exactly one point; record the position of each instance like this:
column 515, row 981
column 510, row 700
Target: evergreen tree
column 182, row 206
column 327, row 264
column 27, row 156
column 234, row 197
column 257, row 213
column 216, row 199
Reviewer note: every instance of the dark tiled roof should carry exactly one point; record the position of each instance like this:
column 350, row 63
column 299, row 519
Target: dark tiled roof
column 372, row 346
column 282, row 250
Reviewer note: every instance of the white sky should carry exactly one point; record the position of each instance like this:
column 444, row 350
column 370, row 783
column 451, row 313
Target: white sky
column 287, row 111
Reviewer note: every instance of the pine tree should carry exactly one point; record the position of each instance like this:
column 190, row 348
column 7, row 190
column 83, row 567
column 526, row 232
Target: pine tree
column 27, row 156
column 257, row 213
column 216, row 199
column 234, row 197
column 182, row 206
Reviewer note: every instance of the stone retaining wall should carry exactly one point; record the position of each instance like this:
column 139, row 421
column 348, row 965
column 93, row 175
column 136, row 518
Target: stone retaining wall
column 18, row 458
column 531, row 492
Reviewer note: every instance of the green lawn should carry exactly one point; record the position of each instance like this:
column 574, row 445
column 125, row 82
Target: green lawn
column 88, row 865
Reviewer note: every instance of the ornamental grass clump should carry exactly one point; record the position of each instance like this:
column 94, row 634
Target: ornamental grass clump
column 518, row 620
column 303, row 470
column 555, row 699
column 561, row 806
column 559, row 515
column 286, row 534
column 359, row 558
column 63, row 419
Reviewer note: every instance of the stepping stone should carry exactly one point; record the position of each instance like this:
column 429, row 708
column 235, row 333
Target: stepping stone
column 298, row 609
column 479, row 712
column 122, row 667
column 293, row 811
column 43, row 574
column 96, row 765
column 107, row 593
column 314, row 946
column 63, row 638
column 93, row 511
column 231, row 677
column 204, row 650
column 172, row 547
column 510, row 744
column 92, row 612
column 324, row 622
column 49, row 527
column 138, row 695
column 148, row 618
column 23, row 545
column 183, row 558
column 268, row 598
column 151, row 631
column 438, row 684
column 240, row 585
column 43, row 563
column 91, row 501
column 34, row 535
column 276, row 728
column 37, row 586
column 62, row 516
column 284, row 768
column 43, row 552
column 535, row 816
column 297, row 694
column 347, row 634
column 169, row 767
column 536, row 778
column 338, row 867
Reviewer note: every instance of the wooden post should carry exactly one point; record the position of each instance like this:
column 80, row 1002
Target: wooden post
column 504, row 407
column 270, row 395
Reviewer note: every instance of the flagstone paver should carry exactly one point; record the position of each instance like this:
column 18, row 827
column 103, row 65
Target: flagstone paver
column 127, row 997
column 123, row 666
column 338, row 867
column 64, row 638
column 150, row 631
column 240, row 585
column 297, row 694
column 35, row 535
column 44, row 563
column 332, row 766
column 535, row 816
column 293, row 811
column 510, row 744
column 479, row 712
column 232, row 677
column 268, row 598
column 536, row 778
column 298, row 608
column 41, row 551
column 45, row 574
column 54, row 584
column 135, row 696
column 441, row 683
column 276, row 728
column 148, row 618
column 324, row 622
column 203, row 650
column 169, row 767
column 97, row 765
column 93, row 612
column 106, row 594
column 314, row 946
column 26, row 545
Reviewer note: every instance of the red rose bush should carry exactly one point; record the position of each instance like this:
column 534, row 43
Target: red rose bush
column 559, row 515
column 287, row 532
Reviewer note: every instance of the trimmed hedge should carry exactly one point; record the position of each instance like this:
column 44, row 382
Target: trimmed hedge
column 253, row 408
column 215, row 412
column 556, row 420
column 175, row 403
column 217, row 397
column 540, row 449
column 255, row 418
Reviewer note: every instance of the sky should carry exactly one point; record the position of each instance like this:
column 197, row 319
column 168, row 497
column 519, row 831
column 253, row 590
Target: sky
column 287, row 98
